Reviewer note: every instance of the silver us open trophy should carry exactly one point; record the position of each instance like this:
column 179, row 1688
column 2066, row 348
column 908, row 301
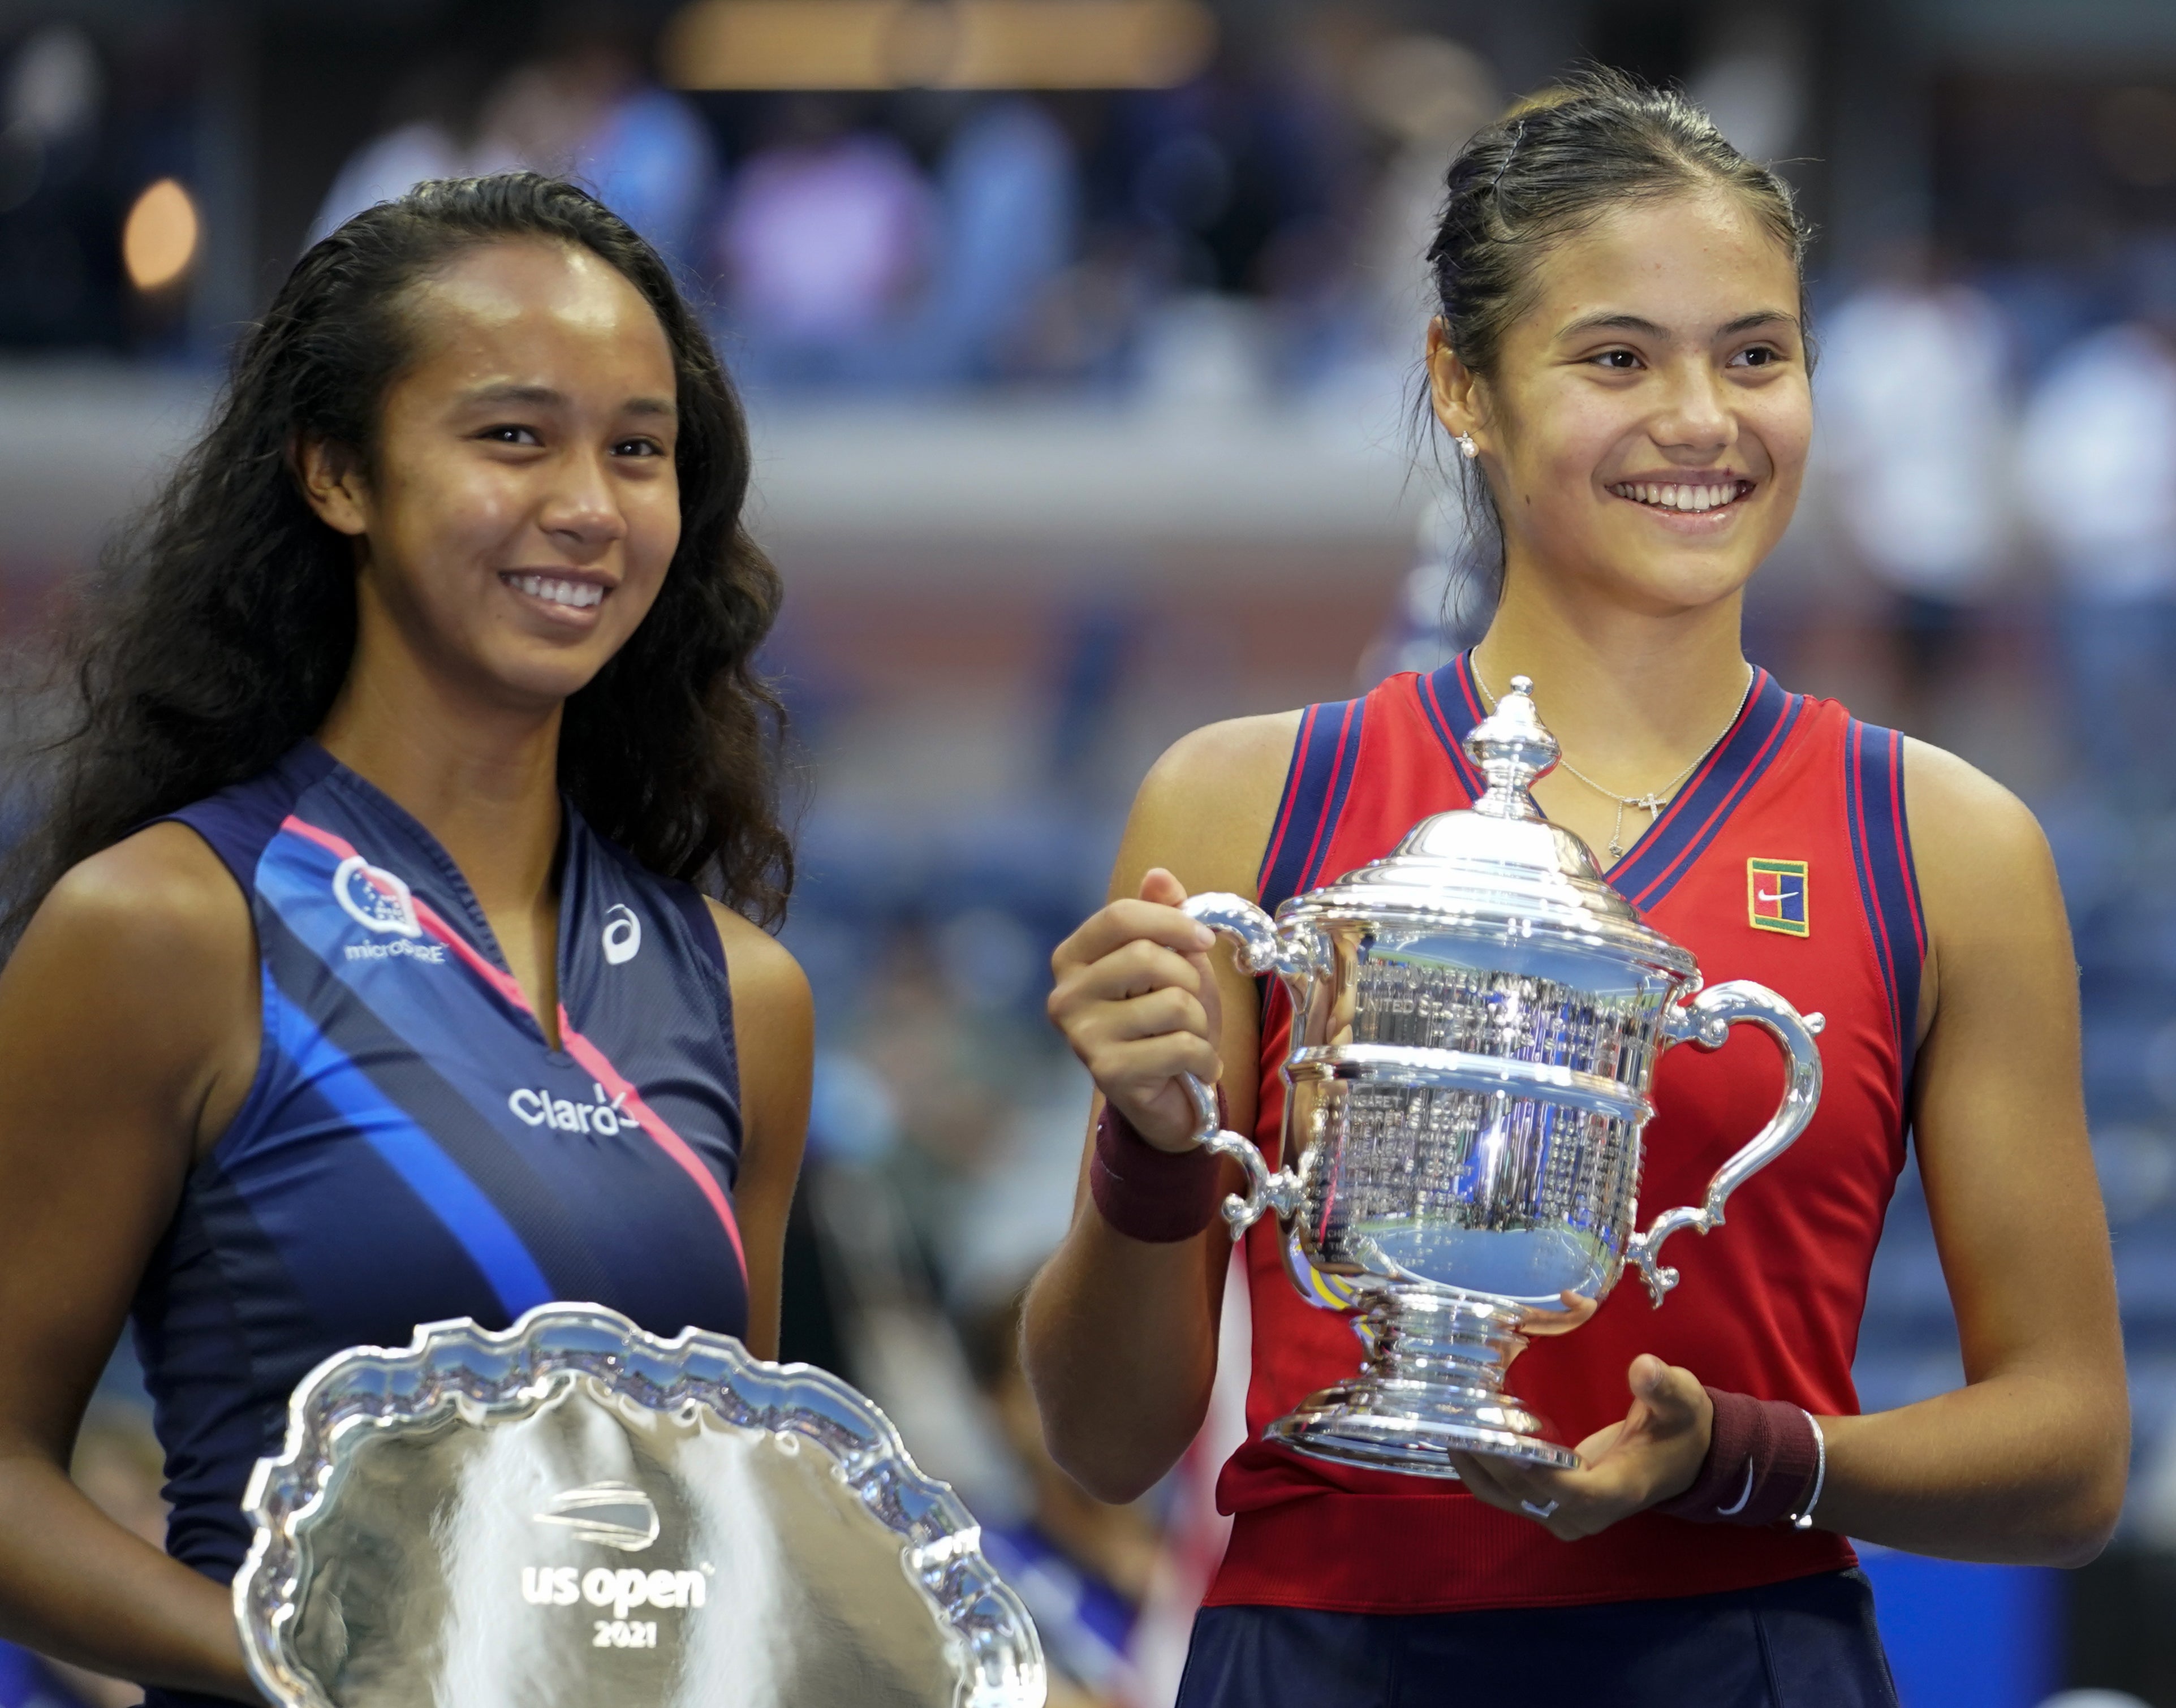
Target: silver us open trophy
column 1477, row 1019
column 575, row 1514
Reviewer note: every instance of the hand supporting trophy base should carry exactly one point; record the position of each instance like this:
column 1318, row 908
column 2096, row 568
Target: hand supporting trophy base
column 1475, row 1022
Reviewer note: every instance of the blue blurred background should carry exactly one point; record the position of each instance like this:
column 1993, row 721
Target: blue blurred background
column 1079, row 337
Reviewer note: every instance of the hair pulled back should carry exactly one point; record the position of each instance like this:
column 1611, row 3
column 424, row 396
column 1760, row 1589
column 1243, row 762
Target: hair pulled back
column 225, row 623
column 1554, row 165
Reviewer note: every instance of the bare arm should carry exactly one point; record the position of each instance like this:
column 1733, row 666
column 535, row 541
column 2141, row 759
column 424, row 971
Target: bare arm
column 2027, row 1461
column 774, row 1031
column 127, row 1040
column 2025, row 1464
column 1120, row 1335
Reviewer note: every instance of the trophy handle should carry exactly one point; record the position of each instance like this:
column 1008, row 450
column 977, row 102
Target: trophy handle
column 1259, row 951
column 1707, row 1021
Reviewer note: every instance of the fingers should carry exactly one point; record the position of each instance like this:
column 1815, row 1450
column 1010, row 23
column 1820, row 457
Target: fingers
column 1654, row 1453
column 1138, row 993
column 1674, row 1399
column 1543, row 1320
column 1131, row 1070
column 1158, row 885
column 1136, row 998
column 1121, row 923
column 1529, row 1492
column 1132, row 969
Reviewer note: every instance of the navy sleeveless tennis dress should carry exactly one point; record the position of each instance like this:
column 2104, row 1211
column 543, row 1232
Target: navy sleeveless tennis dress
column 413, row 1147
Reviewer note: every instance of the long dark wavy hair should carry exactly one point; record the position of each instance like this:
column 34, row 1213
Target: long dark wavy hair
column 224, row 622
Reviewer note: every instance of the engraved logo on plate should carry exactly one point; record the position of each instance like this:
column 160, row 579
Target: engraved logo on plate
column 614, row 1514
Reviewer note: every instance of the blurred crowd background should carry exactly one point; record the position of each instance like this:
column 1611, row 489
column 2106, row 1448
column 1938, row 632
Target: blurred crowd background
column 1080, row 338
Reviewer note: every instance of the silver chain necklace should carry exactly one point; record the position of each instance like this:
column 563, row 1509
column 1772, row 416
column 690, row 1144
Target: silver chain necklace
column 1654, row 800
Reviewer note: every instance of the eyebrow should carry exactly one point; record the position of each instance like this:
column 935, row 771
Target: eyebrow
column 545, row 397
column 1647, row 328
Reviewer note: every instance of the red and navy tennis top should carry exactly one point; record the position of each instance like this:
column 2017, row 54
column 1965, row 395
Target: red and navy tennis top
column 412, row 1148
column 1785, row 859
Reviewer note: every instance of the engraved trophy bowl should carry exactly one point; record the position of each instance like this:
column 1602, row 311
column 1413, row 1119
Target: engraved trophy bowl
column 1475, row 1022
column 575, row 1514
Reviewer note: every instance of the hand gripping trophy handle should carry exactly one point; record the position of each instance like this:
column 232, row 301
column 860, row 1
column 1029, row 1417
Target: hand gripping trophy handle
column 1257, row 951
column 1707, row 1021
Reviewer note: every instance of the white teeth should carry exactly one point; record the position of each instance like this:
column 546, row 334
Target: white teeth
column 1692, row 500
column 578, row 595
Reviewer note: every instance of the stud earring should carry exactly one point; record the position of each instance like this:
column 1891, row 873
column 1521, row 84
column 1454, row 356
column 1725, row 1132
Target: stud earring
column 1465, row 445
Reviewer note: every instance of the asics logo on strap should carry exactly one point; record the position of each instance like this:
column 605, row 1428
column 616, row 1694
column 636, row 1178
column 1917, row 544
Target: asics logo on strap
column 623, row 937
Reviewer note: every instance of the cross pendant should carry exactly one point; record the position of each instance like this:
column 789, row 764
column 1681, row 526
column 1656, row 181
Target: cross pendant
column 1653, row 804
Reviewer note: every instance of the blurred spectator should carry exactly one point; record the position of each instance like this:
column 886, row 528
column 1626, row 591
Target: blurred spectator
column 582, row 108
column 828, row 238
column 585, row 108
column 1448, row 597
column 27, row 1681
column 1754, row 80
column 429, row 133
column 1914, row 407
column 1427, row 95
column 60, row 269
column 118, row 1464
column 1081, row 1567
column 2098, row 470
column 1194, row 1531
column 1009, row 195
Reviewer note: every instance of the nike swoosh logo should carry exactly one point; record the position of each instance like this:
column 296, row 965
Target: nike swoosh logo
column 1743, row 1495
column 1777, row 898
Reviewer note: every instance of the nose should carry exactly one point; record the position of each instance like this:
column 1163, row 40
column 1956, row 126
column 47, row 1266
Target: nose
column 1696, row 417
column 581, row 509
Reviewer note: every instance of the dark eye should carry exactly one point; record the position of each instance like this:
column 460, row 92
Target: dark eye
column 1619, row 361
column 1759, row 355
column 510, row 433
column 637, row 448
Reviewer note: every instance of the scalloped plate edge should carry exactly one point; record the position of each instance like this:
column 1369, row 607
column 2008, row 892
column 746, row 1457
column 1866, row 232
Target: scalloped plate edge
column 285, row 1490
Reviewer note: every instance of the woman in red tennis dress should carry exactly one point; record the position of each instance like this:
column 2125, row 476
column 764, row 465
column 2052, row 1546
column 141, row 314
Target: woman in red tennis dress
column 1621, row 358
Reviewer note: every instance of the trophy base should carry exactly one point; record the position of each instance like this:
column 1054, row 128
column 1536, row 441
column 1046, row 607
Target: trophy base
column 1433, row 1386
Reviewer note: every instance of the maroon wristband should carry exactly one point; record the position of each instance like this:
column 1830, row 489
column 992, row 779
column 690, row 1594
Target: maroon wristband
column 1761, row 1464
column 1157, row 1196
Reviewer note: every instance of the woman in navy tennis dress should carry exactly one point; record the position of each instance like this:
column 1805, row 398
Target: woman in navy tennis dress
column 390, row 951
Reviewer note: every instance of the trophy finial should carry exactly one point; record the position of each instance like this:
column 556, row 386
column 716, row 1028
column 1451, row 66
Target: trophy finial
column 1513, row 749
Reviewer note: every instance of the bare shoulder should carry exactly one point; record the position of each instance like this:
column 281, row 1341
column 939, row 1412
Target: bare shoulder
column 1986, row 876
column 1205, row 809
column 1228, row 756
column 763, row 972
column 1966, row 827
column 136, row 984
column 161, row 898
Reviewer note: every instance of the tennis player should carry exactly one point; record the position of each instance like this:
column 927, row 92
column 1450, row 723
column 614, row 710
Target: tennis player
column 1620, row 355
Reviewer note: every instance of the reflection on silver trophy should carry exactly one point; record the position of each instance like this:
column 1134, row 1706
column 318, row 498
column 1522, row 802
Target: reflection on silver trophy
column 575, row 1514
column 1477, row 1019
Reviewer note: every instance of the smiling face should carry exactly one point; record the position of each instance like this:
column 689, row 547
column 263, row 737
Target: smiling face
column 1645, row 424
column 522, row 506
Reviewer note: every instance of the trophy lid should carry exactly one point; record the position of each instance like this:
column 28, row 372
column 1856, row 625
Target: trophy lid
column 1500, row 862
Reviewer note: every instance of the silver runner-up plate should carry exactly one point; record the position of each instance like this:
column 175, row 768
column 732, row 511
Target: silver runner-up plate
column 575, row 1514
